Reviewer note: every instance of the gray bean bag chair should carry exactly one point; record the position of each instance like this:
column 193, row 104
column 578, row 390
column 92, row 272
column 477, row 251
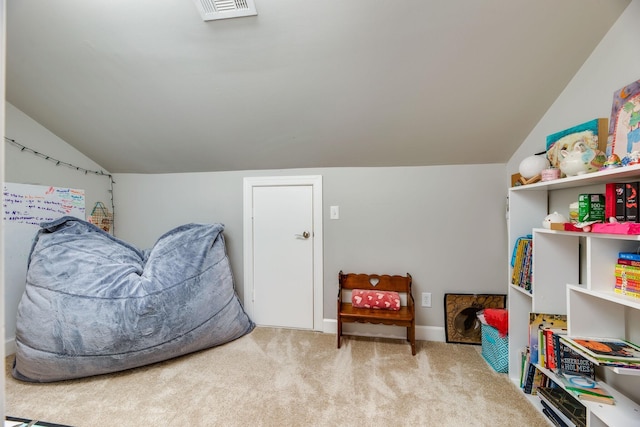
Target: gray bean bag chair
column 94, row 304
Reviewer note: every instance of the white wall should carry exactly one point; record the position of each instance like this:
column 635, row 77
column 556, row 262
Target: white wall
column 444, row 224
column 613, row 64
column 24, row 167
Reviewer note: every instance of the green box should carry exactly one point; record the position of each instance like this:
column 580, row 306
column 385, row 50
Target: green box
column 591, row 207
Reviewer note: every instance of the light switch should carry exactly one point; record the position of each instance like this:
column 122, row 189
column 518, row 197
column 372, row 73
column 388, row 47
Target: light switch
column 335, row 212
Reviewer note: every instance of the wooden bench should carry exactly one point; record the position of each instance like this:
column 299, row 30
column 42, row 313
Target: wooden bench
column 347, row 313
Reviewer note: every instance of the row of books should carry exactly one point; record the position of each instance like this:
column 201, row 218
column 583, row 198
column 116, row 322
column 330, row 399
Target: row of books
column 627, row 274
column 557, row 356
column 546, row 350
column 567, row 357
column 541, row 327
column 573, row 376
column 574, row 372
column 521, row 262
column 621, row 201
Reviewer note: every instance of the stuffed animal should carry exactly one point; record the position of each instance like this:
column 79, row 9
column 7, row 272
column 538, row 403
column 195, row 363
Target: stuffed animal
column 554, row 217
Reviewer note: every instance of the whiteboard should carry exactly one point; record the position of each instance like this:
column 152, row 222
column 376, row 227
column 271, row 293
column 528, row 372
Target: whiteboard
column 34, row 204
column 25, row 206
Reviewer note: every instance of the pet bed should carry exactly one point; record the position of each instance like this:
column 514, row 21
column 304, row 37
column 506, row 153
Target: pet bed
column 94, row 304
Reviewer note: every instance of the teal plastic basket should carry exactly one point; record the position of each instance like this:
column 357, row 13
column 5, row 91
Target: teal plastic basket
column 495, row 349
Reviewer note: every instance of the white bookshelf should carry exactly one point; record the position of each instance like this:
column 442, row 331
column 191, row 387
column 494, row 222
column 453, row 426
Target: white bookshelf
column 573, row 274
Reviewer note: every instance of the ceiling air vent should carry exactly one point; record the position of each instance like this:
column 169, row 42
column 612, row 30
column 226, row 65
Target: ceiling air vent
column 223, row 9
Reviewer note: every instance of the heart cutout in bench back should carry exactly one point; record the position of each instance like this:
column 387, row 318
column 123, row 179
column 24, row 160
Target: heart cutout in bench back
column 374, row 281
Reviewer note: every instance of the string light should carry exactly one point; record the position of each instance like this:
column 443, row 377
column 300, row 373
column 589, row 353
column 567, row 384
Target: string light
column 69, row 165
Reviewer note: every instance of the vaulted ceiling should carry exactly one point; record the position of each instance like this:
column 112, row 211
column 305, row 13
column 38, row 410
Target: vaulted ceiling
column 147, row 86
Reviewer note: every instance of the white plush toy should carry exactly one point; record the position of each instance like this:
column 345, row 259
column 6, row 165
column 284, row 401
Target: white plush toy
column 554, row 217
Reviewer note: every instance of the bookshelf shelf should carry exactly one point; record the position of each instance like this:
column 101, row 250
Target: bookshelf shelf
column 521, row 290
column 573, row 274
column 626, row 174
column 625, row 371
column 608, row 296
column 632, row 237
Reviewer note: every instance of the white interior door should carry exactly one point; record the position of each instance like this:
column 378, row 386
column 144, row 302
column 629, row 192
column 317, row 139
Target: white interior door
column 283, row 256
column 283, row 251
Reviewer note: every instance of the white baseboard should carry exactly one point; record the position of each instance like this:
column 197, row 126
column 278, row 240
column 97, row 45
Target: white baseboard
column 423, row 333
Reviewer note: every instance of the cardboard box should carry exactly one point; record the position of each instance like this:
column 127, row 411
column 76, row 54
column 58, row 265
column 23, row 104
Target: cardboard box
column 591, row 207
column 564, row 226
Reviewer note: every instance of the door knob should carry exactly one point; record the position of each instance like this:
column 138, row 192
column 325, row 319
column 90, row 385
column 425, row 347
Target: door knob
column 304, row 235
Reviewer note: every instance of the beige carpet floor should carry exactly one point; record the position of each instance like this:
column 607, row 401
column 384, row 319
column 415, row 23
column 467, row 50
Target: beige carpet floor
column 279, row 377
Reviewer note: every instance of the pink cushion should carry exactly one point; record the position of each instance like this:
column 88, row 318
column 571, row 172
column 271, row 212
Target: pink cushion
column 383, row 300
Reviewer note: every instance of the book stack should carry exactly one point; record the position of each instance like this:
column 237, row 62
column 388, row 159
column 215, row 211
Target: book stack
column 613, row 352
column 521, row 262
column 549, row 347
column 543, row 350
column 586, row 388
column 627, row 274
column 621, row 201
column 561, row 407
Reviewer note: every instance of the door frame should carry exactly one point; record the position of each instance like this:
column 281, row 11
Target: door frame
column 318, row 263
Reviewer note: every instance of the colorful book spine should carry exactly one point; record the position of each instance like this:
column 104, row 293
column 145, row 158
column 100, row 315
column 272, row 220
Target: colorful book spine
column 521, row 263
column 628, row 262
column 524, row 364
column 610, row 200
column 626, row 282
column 624, row 287
column 633, row 256
column 551, row 351
column 631, row 202
column 542, row 349
column 529, row 378
column 539, row 322
column 526, row 282
column 629, row 293
column 631, row 283
column 619, row 202
column 627, row 270
column 549, row 354
column 633, row 269
column 516, row 261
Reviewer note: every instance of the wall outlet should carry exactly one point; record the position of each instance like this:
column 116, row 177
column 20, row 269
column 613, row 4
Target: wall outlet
column 426, row 299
